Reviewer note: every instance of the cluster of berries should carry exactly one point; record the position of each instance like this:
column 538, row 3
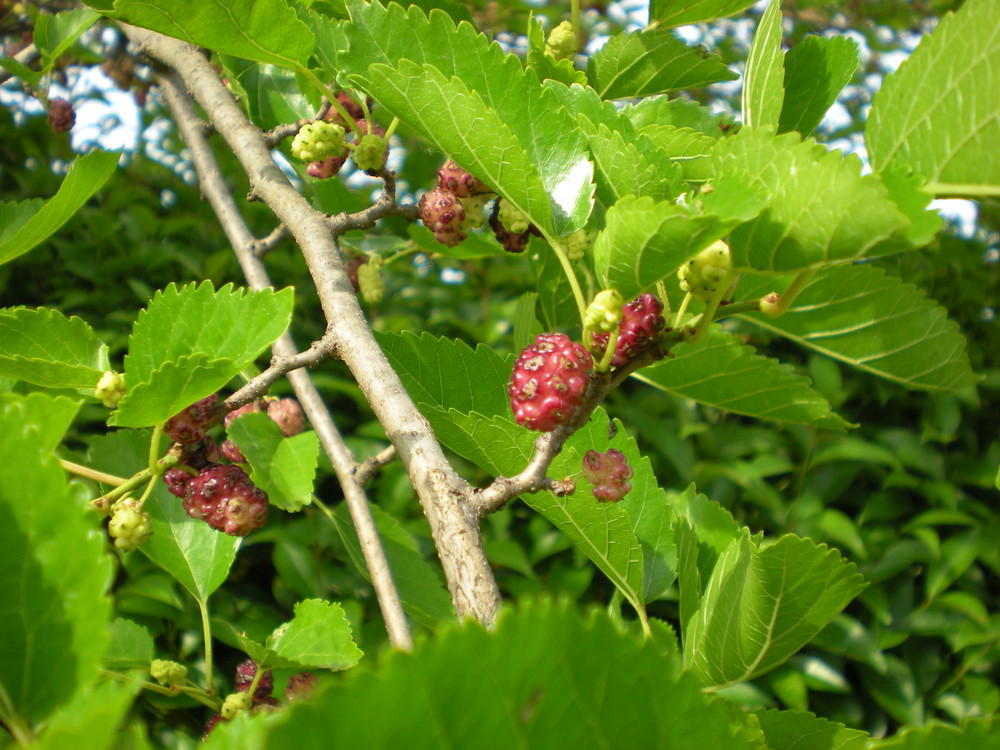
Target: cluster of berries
column 609, row 473
column 221, row 494
column 456, row 205
column 641, row 324
column 299, row 686
column 370, row 148
column 129, row 526
column 551, row 375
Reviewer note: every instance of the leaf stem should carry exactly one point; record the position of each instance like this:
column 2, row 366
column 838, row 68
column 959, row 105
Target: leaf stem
column 154, row 449
column 194, row 692
column 793, row 290
column 682, row 310
column 567, row 267
column 206, row 627
column 328, row 93
column 575, row 18
column 644, row 621
column 86, row 471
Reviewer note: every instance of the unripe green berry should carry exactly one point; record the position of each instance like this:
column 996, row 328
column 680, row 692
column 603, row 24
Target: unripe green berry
column 605, row 312
column 511, row 218
column 562, row 42
column 370, row 153
column 370, row 283
column 110, row 388
column 770, row 305
column 703, row 274
column 316, row 141
column 129, row 525
column 575, row 245
column 235, row 703
column 473, row 206
column 168, row 673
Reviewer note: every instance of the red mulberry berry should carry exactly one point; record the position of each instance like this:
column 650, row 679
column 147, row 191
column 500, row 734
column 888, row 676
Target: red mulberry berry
column 548, row 382
column 287, row 414
column 61, row 115
column 608, row 473
column 443, row 214
column 245, row 672
column 189, row 425
column 458, row 182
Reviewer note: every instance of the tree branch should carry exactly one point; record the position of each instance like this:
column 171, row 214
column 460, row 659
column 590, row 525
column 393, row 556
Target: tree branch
column 444, row 496
column 214, row 188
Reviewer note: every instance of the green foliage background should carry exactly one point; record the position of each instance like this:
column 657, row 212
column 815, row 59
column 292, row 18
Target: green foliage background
column 909, row 495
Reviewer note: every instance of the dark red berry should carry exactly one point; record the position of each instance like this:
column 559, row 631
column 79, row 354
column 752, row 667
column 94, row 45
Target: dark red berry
column 189, row 425
column 224, row 496
column 232, row 453
column 61, row 115
column 548, row 382
column 609, row 473
column 287, row 414
column 512, row 242
column 458, row 182
column 254, row 407
column 210, row 725
column 638, row 331
column 177, row 480
column 300, row 686
column 443, row 214
column 245, row 672
column 328, row 167
column 350, row 105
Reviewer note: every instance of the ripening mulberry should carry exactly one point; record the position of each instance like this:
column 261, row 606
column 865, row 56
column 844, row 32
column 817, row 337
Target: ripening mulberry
column 548, row 382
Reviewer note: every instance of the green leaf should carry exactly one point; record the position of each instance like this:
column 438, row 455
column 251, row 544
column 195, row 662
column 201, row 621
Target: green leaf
column 874, row 322
column 786, row 730
column 284, row 468
column 420, row 585
column 762, row 604
column 815, row 72
column 448, row 374
column 56, row 33
column 629, row 165
column 679, row 113
column 54, row 576
column 271, row 94
column 243, row 324
column 26, row 74
column 703, row 530
column 821, row 210
column 974, row 734
column 686, row 147
column 725, row 374
column 85, row 177
column 175, row 359
column 682, row 12
column 645, row 242
column 545, row 678
column 653, row 61
column 938, row 114
column 957, row 554
column 130, row 646
column 92, row 718
column 46, row 348
column 318, row 636
column 264, row 30
column 480, row 107
column 50, row 416
column 194, row 553
column 171, row 388
column 762, row 82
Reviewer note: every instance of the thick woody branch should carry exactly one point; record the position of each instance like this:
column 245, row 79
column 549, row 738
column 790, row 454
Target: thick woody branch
column 443, row 494
column 214, row 188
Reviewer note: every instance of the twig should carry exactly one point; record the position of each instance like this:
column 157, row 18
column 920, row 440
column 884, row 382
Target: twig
column 264, row 245
column 214, row 188
column 26, row 56
column 367, row 468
